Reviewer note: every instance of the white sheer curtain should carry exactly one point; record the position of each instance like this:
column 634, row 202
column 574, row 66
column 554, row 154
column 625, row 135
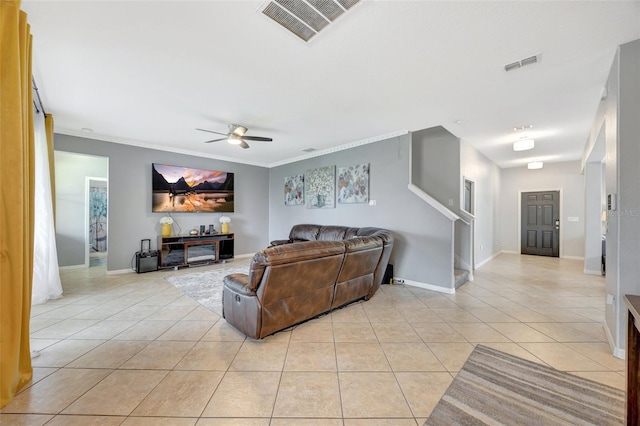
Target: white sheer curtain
column 46, row 277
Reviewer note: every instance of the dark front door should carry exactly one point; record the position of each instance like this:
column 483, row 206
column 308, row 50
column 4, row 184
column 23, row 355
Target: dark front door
column 540, row 232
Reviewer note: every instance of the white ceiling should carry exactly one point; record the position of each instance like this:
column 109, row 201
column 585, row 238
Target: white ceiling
column 148, row 73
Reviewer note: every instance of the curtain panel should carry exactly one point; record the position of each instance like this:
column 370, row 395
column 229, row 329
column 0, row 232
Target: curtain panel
column 16, row 199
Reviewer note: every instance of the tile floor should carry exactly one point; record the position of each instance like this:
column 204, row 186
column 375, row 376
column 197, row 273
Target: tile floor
column 132, row 350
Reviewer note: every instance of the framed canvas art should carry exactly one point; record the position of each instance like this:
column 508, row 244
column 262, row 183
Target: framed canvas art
column 294, row 190
column 320, row 188
column 353, row 184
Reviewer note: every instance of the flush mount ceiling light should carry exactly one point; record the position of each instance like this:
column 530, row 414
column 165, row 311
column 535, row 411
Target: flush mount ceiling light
column 524, row 144
column 534, row 165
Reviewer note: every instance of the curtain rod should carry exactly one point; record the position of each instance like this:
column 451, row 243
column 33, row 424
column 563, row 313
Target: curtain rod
column 37, row 100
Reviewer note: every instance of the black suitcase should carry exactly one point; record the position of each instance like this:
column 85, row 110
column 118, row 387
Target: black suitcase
column 146, row 259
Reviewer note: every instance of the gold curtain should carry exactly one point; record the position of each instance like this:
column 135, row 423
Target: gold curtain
column 16, row 199
column 48, row 125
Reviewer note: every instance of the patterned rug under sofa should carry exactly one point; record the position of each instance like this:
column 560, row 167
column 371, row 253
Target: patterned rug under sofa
column 495, row 388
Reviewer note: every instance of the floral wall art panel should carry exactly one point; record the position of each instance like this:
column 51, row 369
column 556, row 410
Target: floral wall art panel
column 294, row 190
column 320, row 188
column 353, row 184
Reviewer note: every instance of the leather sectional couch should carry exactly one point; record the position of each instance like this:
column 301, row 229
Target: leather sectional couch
column 319, row 268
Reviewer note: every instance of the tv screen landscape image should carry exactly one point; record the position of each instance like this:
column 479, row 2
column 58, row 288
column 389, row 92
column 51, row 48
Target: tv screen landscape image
column 185, row 189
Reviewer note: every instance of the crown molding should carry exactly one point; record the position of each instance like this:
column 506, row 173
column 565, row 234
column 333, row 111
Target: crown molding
column 349, row 145
column 139, row 144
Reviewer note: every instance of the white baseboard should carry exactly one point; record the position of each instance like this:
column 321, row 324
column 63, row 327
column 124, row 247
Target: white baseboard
column 615, row 351
column 592, row 272
column 489, row 259
column 426, row 286
column 72, row 267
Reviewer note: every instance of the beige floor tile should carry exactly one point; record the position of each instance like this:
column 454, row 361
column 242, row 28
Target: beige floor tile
column 40, row 344
column 159, row 356
column 62, row 420
column 351, row 313
column 383, row 314
column 560, row 315
column 260, row 356
column 478, row 332
column 361, row 357
column 308, row 394
column 420, row 314
column 55, row 392
column 353, row 332
column 382, row 422
column 513, row 349
column 395, row 332
column 210, row 356
column 66, row 311
column 312, row 331
column 455, row 315
column 601, row 353
column 491, row 314
column 496, row 301
column 64, row 352
column 180, row 394
column 244, row 394
column 562, row 332
column 423, row 390
column 145, row 330
column 100, row 312
column 201, row 313
column 437, row 332
column 223, row 332
column 411, row 357
column 310, row 356
column 187, row 330
column 63, row 329
column 159, row 421
column 593, row 329
column 40, row 373
column 305, row 422
column 104, row 330
column 37, row 324
column 561, row 357
column 118, row 394
column 451, row 355
column 438, row 301
column 519, row 332
column 523, row 314
column 24, row 419
column 234, row 422
column 137, row 312
column 111, row 354
column 172, row 312
column 363, row 392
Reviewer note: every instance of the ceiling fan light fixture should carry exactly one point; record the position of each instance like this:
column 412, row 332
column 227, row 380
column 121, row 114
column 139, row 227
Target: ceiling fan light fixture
column 524, row 144
column 234, row 139
column 534, row 165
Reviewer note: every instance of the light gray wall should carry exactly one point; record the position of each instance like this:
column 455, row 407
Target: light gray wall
column 486, row 175
column 593, row 218
column 622, row 127
column 564, row 176
column 71, row 171
column 422, row 246
column 436, row 165
column 130, row 216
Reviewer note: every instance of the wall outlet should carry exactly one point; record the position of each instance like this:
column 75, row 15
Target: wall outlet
column 398, row 281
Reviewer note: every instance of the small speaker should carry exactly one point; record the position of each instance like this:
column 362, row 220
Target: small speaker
column 388, row 274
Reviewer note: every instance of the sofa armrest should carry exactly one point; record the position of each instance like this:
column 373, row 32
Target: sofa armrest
column 239, row 283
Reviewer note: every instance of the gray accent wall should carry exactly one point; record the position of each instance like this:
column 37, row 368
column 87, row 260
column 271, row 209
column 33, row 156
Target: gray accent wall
column 566, row 177
column 130, row 216
column 422, row 235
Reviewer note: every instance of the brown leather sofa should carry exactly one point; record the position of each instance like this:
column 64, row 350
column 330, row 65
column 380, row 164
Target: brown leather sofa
column 319, row 268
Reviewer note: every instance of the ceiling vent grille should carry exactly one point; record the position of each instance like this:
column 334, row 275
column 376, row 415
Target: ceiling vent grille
column 305, row 18
column 522, row 63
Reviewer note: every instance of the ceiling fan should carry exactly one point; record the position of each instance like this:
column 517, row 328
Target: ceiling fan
column 236, row 136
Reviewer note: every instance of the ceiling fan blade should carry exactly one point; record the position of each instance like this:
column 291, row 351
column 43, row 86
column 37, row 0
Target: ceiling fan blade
column 257, row 138
column 244, row 145
column 216, row 140
column 211, row 131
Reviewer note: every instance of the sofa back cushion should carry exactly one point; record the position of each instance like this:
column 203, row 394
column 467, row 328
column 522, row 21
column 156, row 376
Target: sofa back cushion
column 355, row 280
column 304, row 232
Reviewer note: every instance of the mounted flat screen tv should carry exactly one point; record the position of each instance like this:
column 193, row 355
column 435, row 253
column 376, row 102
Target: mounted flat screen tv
column 185, row 189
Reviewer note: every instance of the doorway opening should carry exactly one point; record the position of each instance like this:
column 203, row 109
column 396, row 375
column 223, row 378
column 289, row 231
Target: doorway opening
column 540, row 223
column 97, row 202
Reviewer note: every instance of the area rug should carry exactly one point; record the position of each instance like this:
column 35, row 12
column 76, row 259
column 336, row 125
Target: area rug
column 206, row 287
column 494, row 388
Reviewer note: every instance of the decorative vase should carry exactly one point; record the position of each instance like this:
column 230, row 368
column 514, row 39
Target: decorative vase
column 225, row 228
column 166, row 230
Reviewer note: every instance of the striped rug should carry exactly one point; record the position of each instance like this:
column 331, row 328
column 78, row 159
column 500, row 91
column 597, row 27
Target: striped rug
column 495, row 388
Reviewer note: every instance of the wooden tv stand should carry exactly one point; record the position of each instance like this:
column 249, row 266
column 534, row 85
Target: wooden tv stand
column 194, row 250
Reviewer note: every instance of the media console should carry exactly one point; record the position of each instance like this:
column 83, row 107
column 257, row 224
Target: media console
column 192, row 250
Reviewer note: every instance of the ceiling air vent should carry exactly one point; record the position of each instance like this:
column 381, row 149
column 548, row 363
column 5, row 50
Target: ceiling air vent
column 522, row 63
column 305, row 18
